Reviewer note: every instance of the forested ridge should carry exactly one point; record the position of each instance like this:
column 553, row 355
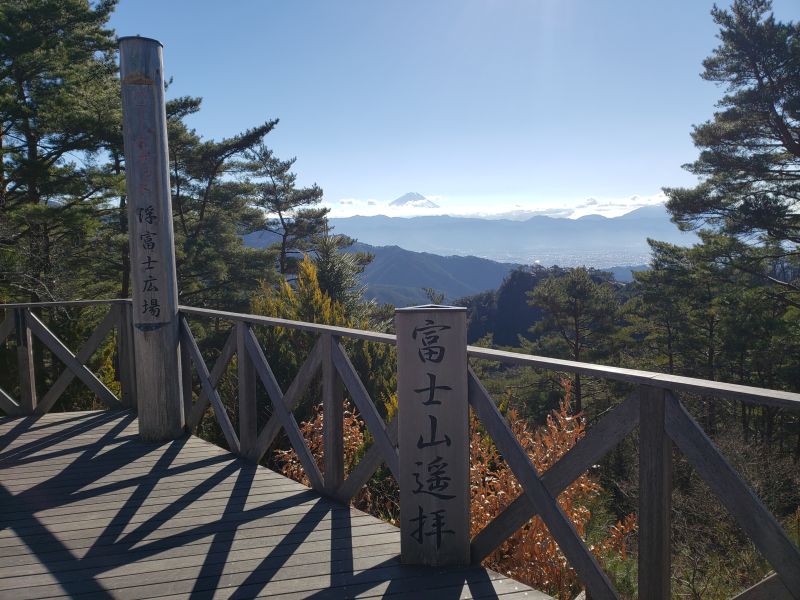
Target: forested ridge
column 725, row 309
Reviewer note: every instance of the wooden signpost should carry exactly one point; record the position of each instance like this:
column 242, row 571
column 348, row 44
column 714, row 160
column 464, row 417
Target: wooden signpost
column 433, row 415
column 152, row 247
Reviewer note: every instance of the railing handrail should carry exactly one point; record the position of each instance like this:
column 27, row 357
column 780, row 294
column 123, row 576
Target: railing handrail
column 358, row 334
column 59, row 303
column 732, row 391
column 653, row 406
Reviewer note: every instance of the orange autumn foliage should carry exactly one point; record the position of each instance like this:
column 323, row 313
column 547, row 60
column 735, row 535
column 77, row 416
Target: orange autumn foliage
column 379, row 498
column 530, row 555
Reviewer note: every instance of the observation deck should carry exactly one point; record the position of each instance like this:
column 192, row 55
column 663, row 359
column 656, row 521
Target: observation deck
column 91, row 510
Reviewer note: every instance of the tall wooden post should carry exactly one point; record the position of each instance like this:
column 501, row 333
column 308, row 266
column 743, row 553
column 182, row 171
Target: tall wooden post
column 333, row 418
column 152, row 249
column 433, row 415
column 655, row 490
column 248, row 415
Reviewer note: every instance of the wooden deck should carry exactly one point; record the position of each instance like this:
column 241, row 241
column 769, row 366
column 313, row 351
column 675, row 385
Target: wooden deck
column 88, row 510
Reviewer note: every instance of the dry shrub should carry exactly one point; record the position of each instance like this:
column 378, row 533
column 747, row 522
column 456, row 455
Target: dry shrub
column 379, row 497
column 530, row 555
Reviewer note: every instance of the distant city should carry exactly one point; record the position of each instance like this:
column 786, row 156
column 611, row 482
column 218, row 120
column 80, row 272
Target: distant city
column 462, row 256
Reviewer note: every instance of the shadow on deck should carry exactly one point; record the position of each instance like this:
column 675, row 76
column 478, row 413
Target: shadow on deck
column 90, row 511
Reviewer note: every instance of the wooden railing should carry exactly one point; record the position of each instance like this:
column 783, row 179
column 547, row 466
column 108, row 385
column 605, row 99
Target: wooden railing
column 654, row 406
column 23, row 325
column 327, row 357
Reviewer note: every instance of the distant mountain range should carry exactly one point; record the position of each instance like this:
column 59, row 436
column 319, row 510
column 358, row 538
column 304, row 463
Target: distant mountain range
column 592, row 240
column 397, row 276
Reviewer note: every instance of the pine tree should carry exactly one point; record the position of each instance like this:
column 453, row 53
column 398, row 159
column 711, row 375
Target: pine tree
column 338, row 273
column 749, row 161
column 59, row 105
column 294, row 215
column 581, row 312
column 214, row 205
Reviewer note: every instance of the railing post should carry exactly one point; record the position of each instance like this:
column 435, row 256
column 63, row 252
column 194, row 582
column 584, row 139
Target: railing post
column 248, row 430
column 152, row 250
column 655, row 490
column 333, row 417
column 186, row 378
column 25, row 364
column 125, row 355
column 433, row 415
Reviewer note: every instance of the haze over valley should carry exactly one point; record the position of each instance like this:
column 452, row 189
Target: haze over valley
column 462, row 256
column 591, row 240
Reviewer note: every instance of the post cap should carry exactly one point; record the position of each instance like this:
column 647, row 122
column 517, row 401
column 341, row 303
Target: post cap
column 430, row 307
column 126, row 38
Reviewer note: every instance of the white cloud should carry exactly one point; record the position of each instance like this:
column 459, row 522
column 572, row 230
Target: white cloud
column 367, row 207
column 512, row 208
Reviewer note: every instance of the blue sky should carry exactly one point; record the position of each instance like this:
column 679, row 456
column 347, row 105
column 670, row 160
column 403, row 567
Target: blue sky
column 559, row 106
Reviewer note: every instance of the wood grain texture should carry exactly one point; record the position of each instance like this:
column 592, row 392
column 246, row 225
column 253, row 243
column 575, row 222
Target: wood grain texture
column 25, row 364
column 750, row 513
column 366, row 407
column 80, row 370
column 346, row 332
column 601, row 438
column 201, row 523
column 718, row 389
column 84, row 354
column 286, row 417
column 154, row 283
column 333, row 418
column 248, row 426
column 210, row 390
column 126, row 355
column 433, row 438
column 779, row 398
column 187, row 383
column 655, row 492
column 291, row 398
column 217, row 371
column 769, row 588
column 559, row 525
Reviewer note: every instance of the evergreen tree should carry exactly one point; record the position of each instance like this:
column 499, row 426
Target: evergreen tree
column 59, row 105
column 749, row 161
column 338, row 273
column 657, row 312
column 581, row 312
column 286, row 349
column 214, row 204
column 294, row 215
column 514, row 314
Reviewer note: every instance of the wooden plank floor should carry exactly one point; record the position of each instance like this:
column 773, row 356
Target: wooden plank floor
column 88, row 510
